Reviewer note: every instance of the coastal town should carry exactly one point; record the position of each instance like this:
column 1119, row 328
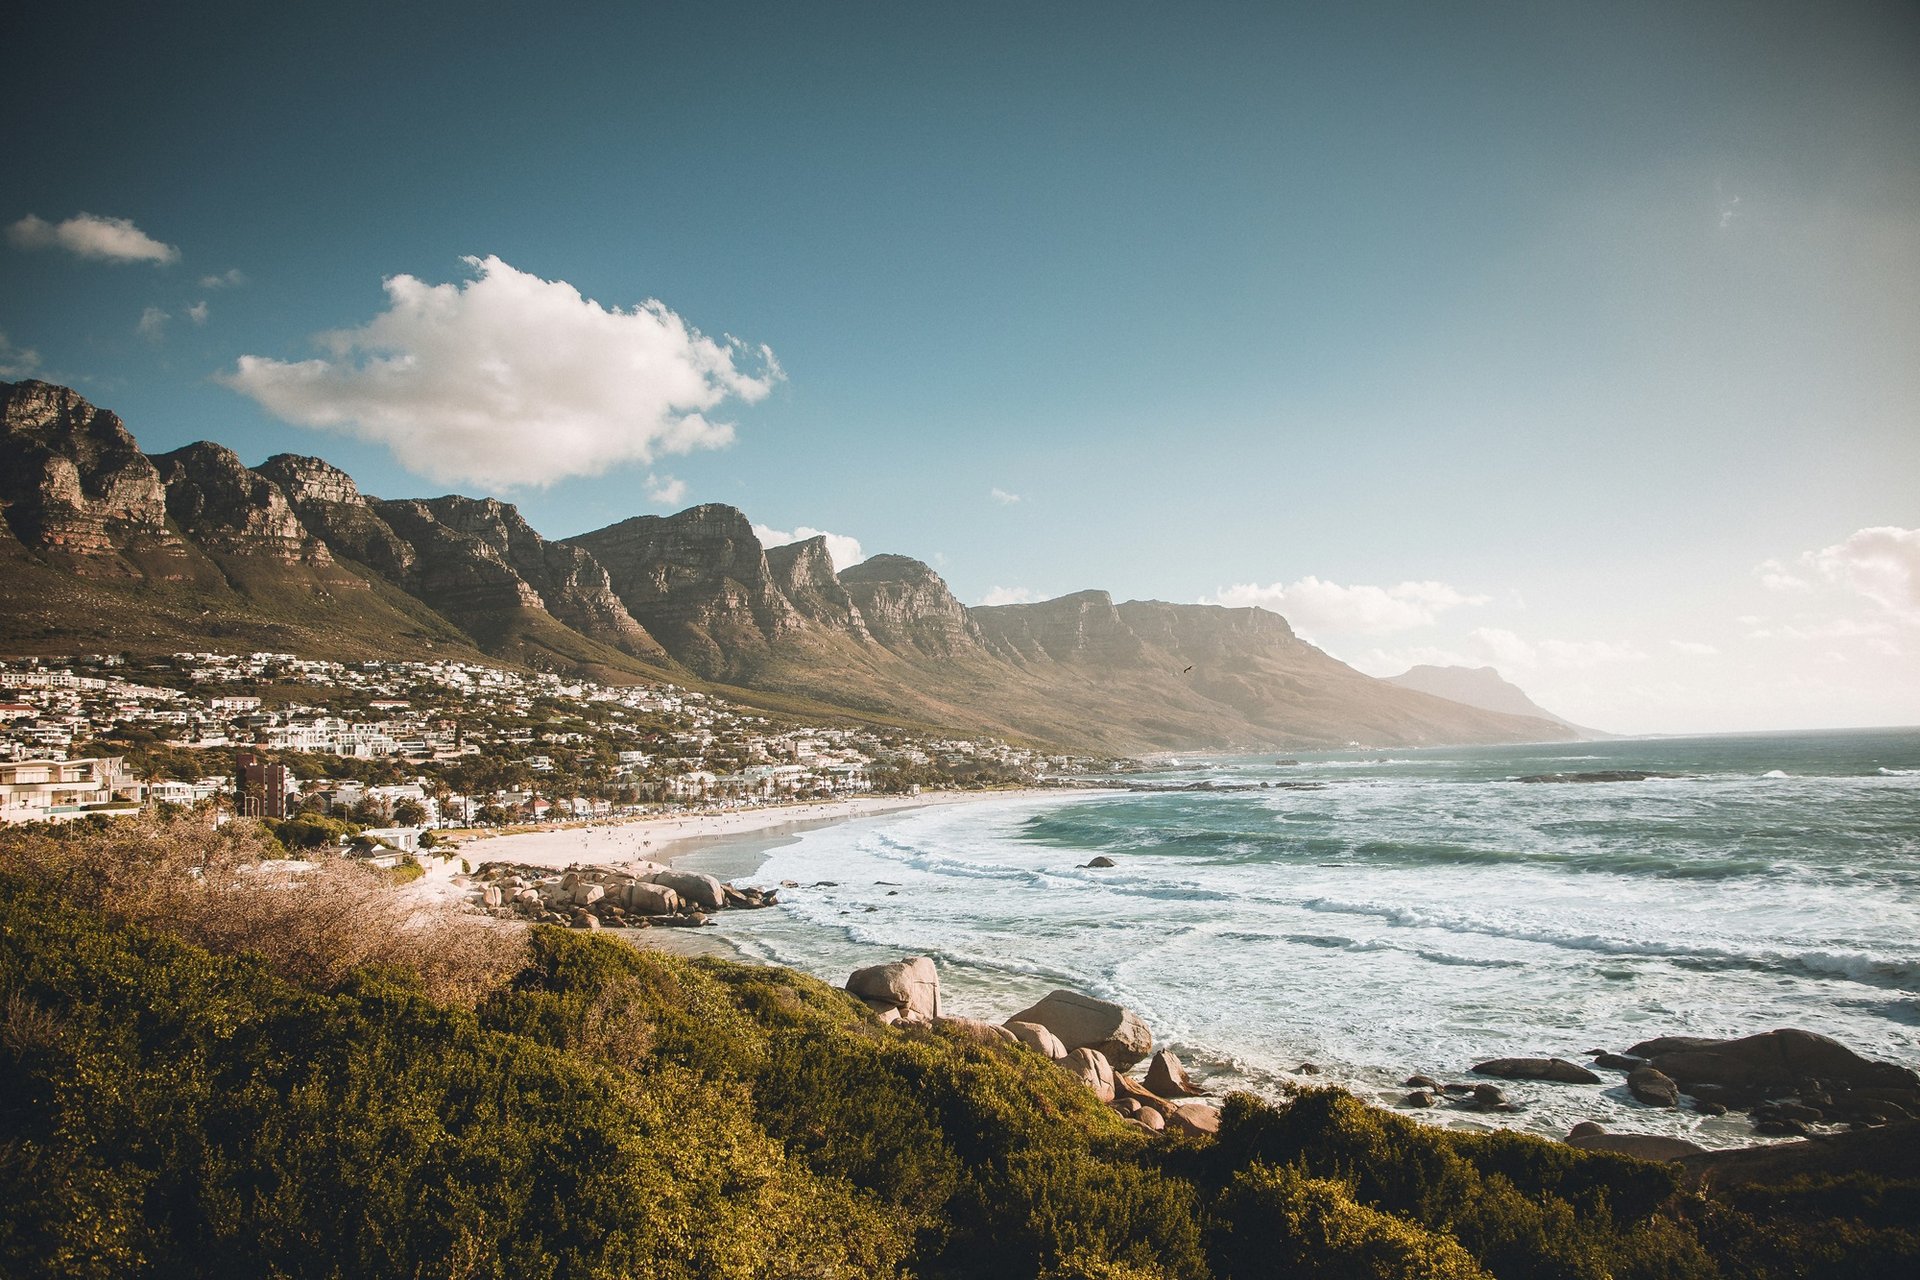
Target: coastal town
column 400, row 749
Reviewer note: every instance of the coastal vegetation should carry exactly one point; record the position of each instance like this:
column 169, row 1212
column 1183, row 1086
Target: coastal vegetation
column 210, row 1067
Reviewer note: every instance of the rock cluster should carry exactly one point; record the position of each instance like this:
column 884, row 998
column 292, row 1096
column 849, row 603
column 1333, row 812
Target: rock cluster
column 1093, row 1040
column 1788, row 1081
column 649, row 896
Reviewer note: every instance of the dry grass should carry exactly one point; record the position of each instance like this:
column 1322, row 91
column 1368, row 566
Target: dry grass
column 224, row 889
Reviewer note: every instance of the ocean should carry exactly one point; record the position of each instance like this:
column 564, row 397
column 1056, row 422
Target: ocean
column 1366, row 915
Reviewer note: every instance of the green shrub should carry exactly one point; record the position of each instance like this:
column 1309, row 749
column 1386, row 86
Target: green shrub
column 1279, row 1222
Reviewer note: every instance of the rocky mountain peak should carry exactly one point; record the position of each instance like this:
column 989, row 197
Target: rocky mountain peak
column 75, row 484
column 306, row 479
column 229, row 508
column 803, row 572
column 909, row 608
column 699, row 581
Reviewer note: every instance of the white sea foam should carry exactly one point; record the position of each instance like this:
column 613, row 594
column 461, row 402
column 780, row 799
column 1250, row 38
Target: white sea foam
column 1422, row 919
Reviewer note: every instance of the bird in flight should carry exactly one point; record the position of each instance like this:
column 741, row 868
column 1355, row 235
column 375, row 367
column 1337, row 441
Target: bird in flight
column 1186, row 670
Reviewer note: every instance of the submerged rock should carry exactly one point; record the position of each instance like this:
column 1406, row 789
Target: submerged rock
column 1558, row 1070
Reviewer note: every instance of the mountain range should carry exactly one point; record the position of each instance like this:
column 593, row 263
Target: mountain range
column 105, row 547
column 1484, row 687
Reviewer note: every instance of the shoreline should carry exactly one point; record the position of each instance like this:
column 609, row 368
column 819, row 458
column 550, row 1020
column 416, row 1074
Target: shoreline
column 665, row 838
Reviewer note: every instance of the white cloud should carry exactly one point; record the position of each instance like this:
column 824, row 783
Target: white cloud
column 1507, row 650
column 231, row 278
column 841, row 549
column 153, row 324
column 1693, row 648
column 507, row 379
column 1881, row 563
column 1009, row 595
column 17, row 362
column 1316, row 607
column 667, row 491
column 1002, row 497
column 1775, row 576
column 198, row 312
column 88, row 235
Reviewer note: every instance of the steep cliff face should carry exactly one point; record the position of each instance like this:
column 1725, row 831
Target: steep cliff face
column 908, row 608
column 79, row 493
column 699, row 582
column 331, row 505
column 572, row 584
column 455, row 572
column 1083, row 628
column 229, row 510
column 803, row 573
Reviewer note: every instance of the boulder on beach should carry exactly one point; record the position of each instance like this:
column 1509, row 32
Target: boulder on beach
column 911, row 986
column 1586, row 1129
column 1557, row 1070
column 1168, row 1078
column 1083, row 1022
column 1037, row 1037
column 1195, row 1118
column 1092, row 1067
column 696, row 887
column 1100, row 863
column 1771, row 1059
column 651, row 899
column 1653, row 1088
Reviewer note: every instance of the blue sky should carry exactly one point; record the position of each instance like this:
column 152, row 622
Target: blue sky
column 1581, row 340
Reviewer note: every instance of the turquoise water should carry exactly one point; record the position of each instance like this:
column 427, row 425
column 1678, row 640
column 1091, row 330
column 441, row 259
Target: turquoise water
column 1377, row 914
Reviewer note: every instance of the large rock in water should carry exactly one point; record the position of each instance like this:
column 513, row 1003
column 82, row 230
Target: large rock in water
column 1558, row 1070
column 1653, row 1087
column 911, row 986
column 696, row 887
column 1168, row 1078
column 1772, row 1059
column 1082, row 1022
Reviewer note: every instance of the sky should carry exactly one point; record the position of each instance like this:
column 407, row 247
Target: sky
column 1578, row 340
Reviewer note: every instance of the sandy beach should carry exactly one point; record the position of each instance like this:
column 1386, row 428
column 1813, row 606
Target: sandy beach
column 664, row 837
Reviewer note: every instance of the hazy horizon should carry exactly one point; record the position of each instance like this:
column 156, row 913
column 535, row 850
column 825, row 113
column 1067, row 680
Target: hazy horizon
column 1583, row 345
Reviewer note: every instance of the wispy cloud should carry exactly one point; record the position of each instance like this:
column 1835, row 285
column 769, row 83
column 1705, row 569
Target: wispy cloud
column 231, row 278
column 507, row 379
column 1002, row 497
column 1009, row 595
column 198, row 312
column 1317, row 607
column 153, row 324
column 1693, row 648
column 665, row 491
column 17, row 362
column 87, row 235
column 841, row 549
column 1507, row 649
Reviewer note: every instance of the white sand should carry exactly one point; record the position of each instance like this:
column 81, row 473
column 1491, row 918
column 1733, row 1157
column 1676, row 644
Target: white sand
column 653, row 839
